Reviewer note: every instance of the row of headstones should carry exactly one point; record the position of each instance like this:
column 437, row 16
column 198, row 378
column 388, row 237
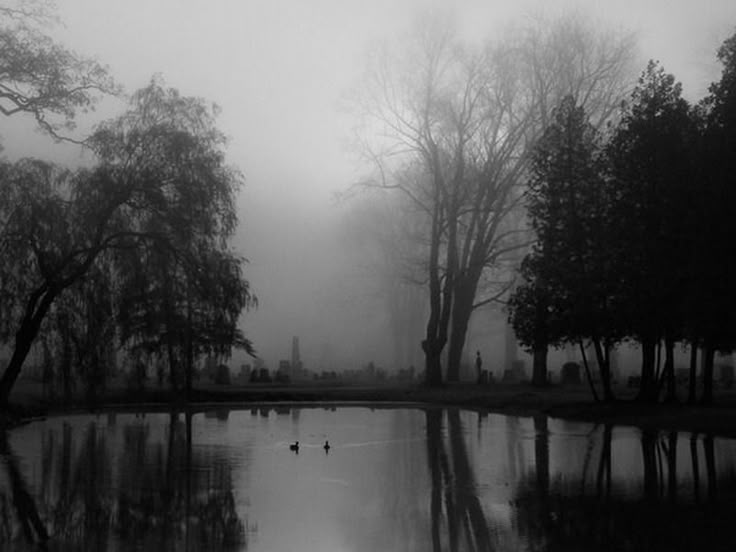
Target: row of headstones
column 725, row 374
column 571, row 374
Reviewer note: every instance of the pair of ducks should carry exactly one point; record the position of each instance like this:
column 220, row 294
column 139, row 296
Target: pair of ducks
column 295, row 447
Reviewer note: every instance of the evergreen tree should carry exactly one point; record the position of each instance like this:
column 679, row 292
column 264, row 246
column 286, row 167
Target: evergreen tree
column 651, row 163
column 566, row 296
column 714, row 250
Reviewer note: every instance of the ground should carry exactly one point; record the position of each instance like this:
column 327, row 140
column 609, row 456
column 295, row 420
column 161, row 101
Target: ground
column 569, row 402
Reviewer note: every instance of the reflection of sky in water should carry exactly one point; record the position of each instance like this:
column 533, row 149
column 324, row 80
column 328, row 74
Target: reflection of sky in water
column 373, row 491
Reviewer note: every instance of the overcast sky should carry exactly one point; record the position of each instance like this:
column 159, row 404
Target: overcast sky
column 278, row 69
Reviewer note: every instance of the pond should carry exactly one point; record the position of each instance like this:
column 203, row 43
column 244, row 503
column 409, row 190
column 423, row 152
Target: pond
column 393, row 479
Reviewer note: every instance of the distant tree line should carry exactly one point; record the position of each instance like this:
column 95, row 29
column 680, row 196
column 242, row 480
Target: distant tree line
column 635, row 233
column 127, row 256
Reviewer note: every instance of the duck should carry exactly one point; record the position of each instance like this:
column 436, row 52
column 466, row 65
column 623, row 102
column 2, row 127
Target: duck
column 294, row 447
column 327, row 446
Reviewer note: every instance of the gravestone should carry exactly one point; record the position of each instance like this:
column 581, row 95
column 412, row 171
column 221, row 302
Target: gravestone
column 570, row 374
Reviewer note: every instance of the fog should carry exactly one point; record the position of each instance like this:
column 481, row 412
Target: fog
column 280, row 71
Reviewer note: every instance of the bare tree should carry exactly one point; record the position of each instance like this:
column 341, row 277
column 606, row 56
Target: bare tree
column 39, row 76
column 452, row 126
column 422, row 116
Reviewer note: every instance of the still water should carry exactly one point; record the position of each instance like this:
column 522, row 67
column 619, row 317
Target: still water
column 394, row 479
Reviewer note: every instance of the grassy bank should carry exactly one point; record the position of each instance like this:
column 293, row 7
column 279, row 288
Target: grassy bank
column 568, row 402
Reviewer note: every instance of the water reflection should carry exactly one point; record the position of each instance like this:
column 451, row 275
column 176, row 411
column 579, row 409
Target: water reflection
column 23, row 504
column 394, row 479
column 95, row 493
column 667, row 512
column 455, row 504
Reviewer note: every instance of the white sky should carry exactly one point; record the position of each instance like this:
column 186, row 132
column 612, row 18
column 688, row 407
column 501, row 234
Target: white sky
column 278, row 69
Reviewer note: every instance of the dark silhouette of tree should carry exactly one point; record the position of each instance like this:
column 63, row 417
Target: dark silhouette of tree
column 180, row 311
column 138, row 491
column 714, row 254
column 452, row 479
column 436, row 456
column 161, row 183
column 612, row 514
column 650, row 154
column 34, row 528
column 568, row 282
column 80, row 332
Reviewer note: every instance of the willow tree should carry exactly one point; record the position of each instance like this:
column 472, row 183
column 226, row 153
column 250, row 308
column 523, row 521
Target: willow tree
column 161, row 182
column 39, row 76
column 79, row 335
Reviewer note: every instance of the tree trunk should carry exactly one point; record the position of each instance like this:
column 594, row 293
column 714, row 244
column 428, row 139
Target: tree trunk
column 710, row 467
column 603, row 479
column 66, row 357
column 602, row 358
column 539, row 364
column 434, row 453
column 469, row 505
column 27, row 513
column 650, row 465
column 172, row 363
column 461, row 312
column 587, row 372
column 436, row 330
column 432, row 362
column 541, row 339
column 649, row 390
column 708, row 355
column 24, row 338
column 669, row 371
column 541, row 455
column 692, row 383
column 189, row 477
column 190, row 352
column 695, row 466
column 672, row 466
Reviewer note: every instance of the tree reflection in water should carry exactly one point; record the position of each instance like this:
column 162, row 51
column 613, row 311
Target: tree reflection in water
column 453, row 484
column 551, row 515
column 23, row 505
column 413, row 479
column 150, row 494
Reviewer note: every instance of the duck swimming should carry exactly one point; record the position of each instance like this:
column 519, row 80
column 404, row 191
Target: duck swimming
column 295, row 447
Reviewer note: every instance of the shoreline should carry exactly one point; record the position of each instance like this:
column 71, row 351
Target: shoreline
column 564, row 402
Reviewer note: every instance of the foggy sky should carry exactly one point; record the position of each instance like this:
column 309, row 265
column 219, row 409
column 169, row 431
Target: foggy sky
column 278, row 69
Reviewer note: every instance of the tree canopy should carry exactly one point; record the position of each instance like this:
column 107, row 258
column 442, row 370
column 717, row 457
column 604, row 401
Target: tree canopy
column 634, row 232
column 161, row 193
column 457, row 127
column 41, row 77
